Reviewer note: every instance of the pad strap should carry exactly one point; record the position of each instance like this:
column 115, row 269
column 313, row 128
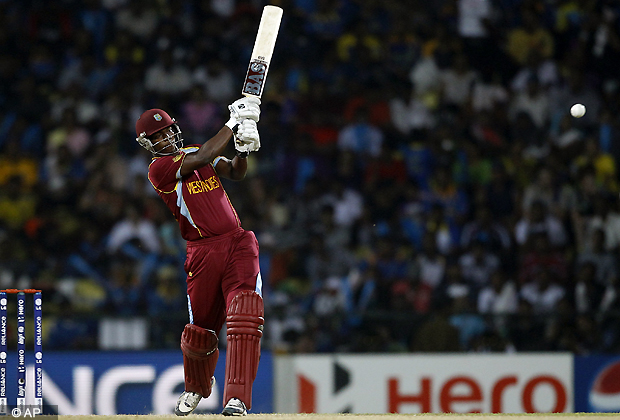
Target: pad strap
column 244, row 329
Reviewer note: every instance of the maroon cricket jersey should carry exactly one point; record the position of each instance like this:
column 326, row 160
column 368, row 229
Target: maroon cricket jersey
column 198, row 201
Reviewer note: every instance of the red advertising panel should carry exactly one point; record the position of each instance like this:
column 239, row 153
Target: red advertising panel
column 484, row 383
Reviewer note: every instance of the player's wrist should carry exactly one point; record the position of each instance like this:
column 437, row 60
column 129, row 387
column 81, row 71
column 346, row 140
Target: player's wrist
column 233, row 124
column 241, row 155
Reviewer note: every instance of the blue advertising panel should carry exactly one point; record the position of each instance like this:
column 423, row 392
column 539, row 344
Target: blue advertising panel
column 597, row 384
column 132, row 382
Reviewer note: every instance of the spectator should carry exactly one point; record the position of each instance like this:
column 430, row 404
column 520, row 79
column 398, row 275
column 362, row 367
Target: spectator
column 457, row 82
column 611, row 295
column 70, row 134
column 125, row 50
column 543, row 70
column 323, row 263
column 360, row 292
column 603, row 216
column 14, row 163
column 542, row 292
column 356, row 41
column 603, row 50
column 216, row 79
column 137, row 18
column 200, row 115
column 409, row 113
column 133, row 227
column 533, row 102
column 167, row 76
column 541, row 256
column 500, row 297
column 476, row 27
column 453, row 285
column 347, row 204
column 123, row 289
column 63, row 172
column 410, row 295
column 603, row 261
column 500, row 194
column 486, row 230
column 469, row 324
column 603, row 164
column 17, row 204
column 545, row 190
column 539, row 220
column 588, row 292
column 478, row 264
column 75, row 99
column 431, row 264
column 488, row 92
column 566, row 137
column 166, row 294
column 530, row 37
column 361, row 137
column 287, row 326
column 445, row 192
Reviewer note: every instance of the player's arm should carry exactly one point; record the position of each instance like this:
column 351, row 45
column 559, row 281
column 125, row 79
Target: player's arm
column 247, row 140
column 207, row 152
column 241, row 110
column 234, row 169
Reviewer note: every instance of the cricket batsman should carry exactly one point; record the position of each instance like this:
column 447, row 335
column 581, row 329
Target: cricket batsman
column 223, row 275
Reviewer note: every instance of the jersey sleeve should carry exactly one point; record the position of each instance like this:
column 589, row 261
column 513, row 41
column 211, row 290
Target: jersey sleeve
column 217, row 159
column 164, row 172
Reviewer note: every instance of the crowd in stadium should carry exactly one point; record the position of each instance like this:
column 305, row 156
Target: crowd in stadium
column 421, row 184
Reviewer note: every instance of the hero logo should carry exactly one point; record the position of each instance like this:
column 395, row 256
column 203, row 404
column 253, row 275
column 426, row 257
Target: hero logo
column 529, row 393
column 605, row 392
column 100, row 397
column 452, row 393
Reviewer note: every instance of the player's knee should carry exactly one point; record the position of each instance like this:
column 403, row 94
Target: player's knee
column 198, row 342
column 246, row 314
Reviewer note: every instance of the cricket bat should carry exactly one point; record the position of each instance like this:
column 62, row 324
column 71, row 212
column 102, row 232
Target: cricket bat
column 262, row 52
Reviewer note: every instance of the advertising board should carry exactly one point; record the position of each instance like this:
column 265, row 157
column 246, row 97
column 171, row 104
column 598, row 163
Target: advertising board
column 597, row 384
column 133, row 382
column 487, row 383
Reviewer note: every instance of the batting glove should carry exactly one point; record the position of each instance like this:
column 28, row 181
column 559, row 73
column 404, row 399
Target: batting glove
column 247, row 138
column 244, row 108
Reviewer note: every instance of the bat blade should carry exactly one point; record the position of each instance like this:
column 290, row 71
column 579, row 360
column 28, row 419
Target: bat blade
column 263, row 50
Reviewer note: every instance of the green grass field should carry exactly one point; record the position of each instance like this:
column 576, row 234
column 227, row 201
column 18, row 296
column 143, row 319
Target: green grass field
column 545, row 416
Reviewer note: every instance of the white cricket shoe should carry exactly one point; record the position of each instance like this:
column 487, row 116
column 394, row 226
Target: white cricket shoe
column 188, row 401
column 235, row 407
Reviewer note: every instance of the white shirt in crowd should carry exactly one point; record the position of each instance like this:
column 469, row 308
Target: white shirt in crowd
column 471, row 15
column 126, row 230
column 542, row 301
column 505, row 301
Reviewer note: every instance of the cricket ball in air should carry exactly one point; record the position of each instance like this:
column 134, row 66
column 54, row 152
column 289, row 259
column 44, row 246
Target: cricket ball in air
column 578, row 110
